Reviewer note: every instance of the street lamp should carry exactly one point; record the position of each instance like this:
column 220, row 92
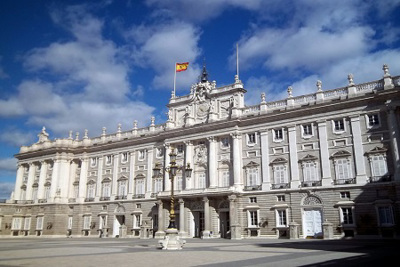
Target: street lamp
column 171, row 240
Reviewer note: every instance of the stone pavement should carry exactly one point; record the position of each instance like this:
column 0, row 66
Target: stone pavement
column 115, row 252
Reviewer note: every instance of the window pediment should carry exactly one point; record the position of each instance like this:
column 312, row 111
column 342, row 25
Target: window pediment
column 279, row 161
column 251, row 164
column 377, row 150
column 341, row 153
column 308, row 158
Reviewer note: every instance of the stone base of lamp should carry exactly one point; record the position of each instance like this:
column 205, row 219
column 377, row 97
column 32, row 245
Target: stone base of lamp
column 171, row 240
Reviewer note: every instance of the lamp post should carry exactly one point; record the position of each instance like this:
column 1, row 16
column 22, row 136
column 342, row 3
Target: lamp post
column 171, row 240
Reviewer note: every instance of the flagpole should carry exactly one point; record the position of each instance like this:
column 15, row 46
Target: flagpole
column 237, row 60
column 174, row 91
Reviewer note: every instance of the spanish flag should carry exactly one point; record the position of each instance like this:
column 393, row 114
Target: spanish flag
column 181, row 66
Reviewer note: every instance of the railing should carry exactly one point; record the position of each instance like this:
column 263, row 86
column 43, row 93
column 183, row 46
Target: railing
column 138, row 196
column 120, row 197
column 380, row 179
column 345, row 181
column 104, row 198
column 280, row 186
column 89, row 199
column 311, row 183
column 252, row 188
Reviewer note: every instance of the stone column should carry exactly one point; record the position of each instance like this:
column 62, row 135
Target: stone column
column 324, row 153
column 149, row 176
column 294, row 165
column 182, row 225
column 160, row 231
column 19, row 181
column 31, row 177
column 42, row 179
column 71, row 178
column 131, row 182
column 54, row 179
column 114, row 190
column 167, row 182
column 83, row 179
column 237, row 161
column 361, row 176
column 99, row 177
column 63, row 180
column 206, row 232
column 212, row 162
column 235, row 225
column 189, row 159
column 266, row 179
column 394, row 141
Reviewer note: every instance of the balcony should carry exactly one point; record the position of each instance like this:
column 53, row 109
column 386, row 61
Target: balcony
column 281, row 186
column 104, row 198
column 380, row 179
column 311, row 183
column 120, row 197
column 345, row 181
column 89, row 199
column 42, row 201
column 138, row 196
column 252, row 188
column 71, row 200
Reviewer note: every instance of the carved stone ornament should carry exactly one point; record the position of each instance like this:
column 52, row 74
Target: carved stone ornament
column 312, row 201
column 200, row 154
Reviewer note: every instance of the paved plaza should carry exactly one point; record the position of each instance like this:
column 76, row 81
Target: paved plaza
column 197, row 252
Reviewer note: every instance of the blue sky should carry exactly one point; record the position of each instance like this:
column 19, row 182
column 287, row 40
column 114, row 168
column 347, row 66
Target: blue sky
column 75, row 65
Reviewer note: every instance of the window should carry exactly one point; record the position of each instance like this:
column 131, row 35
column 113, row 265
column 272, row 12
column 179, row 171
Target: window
column 278, row 135
column 93, row 162
column 373, row 120
column 108, row 159
column 16, row 223
column 159, row 152
column 86, row 222
column 158, row 184
column 251, row 139
column 252, row 199
column 179, row 183
column 280, row 174
column 385, row 216
column 103, row 222
column 39, row 223
column 47, row 188
column 124, row 157
column 34, row 193
column 252, row 218
column 27, row 223
column 137, row 220
column 338, row 125
column 139, row 186
column 225, row 142
column 122, row 185
column 69, row 223
column 225, row 178
column 343, row 170
column 106, row 189
column 202, row 180
column 307, row 130
column 281, row 218
column 345, row 195
column 90, row 190
column 347, row 215
column 141, row 155
column 378, row 165
column 252, row 177
column 179, row 149
column 309, row 171
column 280, row 198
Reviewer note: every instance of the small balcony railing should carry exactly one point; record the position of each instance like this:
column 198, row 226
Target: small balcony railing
column 104, row 198
column 345, row 181
column 138, row 196
column 120, row 197
column 252, row 188
column 311, row 183
column 89, row 199
column 280, row 186
column 380, row 179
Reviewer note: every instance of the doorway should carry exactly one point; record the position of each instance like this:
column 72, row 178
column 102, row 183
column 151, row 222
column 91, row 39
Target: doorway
column 197, row 223
column 118, row 222
column 224, row 224
column 312, row 223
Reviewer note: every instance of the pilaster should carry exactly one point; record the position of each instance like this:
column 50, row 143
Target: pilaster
column 266, row 179
column 182, row 226
column 42, row 179
column 324, row 153
column 114, row 189
column 212, row 162
column 19, row 181
column 149, row 176
column 83, row 179
column 189, row 160
column 237, row 161
column 361, row 177
column 294, row 169
column 206, row 232
column 394, row 140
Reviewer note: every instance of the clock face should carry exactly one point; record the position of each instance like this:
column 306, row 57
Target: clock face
column 202, row 110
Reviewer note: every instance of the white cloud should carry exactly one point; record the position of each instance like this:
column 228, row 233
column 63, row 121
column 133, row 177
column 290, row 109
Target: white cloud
column 8, row 164
column 160, row 46
column 15, row 137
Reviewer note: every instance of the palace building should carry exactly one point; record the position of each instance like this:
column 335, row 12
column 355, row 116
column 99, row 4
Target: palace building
column 323, row 165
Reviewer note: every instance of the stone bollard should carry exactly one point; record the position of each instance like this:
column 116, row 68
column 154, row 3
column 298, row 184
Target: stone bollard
column 294, row 230
column 328, row 230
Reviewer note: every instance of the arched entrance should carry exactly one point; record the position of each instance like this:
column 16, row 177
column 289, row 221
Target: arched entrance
column 119, row 221
column 224, row 222
column 196, row 226
column 312, row 217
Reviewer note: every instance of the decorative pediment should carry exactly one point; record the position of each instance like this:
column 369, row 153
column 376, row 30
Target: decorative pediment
column 341, row 153
column 251, row 164
column 106, row 180
column 377, row 150
column 279, row 161
column 140, row 176
column 308, row 158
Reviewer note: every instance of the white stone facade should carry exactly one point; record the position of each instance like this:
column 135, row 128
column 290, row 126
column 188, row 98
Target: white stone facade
column 320, row 165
